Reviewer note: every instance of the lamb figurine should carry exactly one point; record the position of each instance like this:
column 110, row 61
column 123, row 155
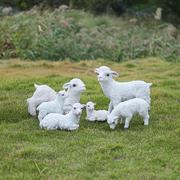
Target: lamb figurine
column 55, row 106
column 43, row 93
column 118, row 92
column 95, row 115
column 69, row 121
column 127, row 109
column 74, row 89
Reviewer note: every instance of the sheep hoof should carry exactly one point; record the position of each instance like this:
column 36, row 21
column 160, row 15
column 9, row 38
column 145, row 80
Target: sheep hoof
column 125, row 129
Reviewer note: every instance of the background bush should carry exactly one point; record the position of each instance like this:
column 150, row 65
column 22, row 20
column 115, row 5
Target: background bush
column 60, row 35
column 99, row 6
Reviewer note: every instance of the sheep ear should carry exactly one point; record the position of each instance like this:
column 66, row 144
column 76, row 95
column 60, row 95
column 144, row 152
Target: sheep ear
column 114, row 73
column 116, row 117
column 36, row 85
column 96, row 70
column 66, row 85
column 83, row 105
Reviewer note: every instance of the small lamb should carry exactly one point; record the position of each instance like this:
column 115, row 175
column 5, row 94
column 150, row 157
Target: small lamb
column 95, row 115
column 55, row 106
column 43, row 93
column 121, row 91
column 69, row 121
column 74, row 89
column 127, row 109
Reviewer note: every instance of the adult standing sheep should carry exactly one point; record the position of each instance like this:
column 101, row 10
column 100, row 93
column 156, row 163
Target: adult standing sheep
column 121, row 91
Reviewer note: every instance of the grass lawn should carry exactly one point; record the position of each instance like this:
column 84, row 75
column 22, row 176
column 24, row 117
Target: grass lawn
column 94, row 151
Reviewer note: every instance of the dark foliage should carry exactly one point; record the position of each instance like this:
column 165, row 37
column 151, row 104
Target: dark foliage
column 98, row 6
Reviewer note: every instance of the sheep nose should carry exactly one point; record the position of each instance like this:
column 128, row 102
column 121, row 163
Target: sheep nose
column 100, row 77
column 84, row 87
column 78, row 113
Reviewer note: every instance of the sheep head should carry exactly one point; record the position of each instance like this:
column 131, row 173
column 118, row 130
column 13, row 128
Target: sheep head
column 76, row 86
column 77, row 109
column 104, row 73
column 90, row 106
column 112, row 121
column 62, row 94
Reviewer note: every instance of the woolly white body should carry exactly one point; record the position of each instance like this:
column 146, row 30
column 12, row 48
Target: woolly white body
column 127, row 109
column 43, row 93
column 95, row 115
column 74, row 89
column 55, row 106
column 118, row 92
column 69, row 121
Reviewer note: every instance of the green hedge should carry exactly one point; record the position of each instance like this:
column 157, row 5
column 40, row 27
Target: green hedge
column 98, row 6
column 59, row 35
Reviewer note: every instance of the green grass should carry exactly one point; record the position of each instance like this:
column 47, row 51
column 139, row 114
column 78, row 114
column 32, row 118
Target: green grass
column 94, row 151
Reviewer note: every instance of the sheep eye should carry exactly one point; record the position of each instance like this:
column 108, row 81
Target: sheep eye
column 62, row 94
column 74, row 85
column 74, row 108
column 107, row 74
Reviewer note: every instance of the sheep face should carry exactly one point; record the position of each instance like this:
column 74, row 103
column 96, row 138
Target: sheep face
column 104, row 73
column 77, row 109
column 75, row 85
column 62, row 94
column 90, row 106
column 112, row 121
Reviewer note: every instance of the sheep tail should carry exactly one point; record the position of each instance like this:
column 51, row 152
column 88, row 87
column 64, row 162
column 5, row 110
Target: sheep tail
column 36, row 85
column 149, row 84
column 28, row 100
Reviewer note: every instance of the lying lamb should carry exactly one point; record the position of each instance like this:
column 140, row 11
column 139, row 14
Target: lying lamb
column 118, row 92
column 127, row 109
column 55, row 106
column 95, row 115
column 43, row 93
column 74, row 89
column 69, row 121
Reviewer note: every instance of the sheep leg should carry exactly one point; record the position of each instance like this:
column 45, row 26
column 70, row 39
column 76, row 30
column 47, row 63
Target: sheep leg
column 146, row 119
column 74, row 127
column 121, row 120
column 110, row 108
column 51, row 128
column 41, row 115
column 127, row 120
column 41, row 126
column 31, row 108
column 32, row 104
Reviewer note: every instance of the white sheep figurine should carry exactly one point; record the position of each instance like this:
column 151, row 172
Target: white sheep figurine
column 118, row 92
column 95, row 115
column 74, row 89
column 69, row 121
column 43, row 93
column 55, row 106
column 126, row 110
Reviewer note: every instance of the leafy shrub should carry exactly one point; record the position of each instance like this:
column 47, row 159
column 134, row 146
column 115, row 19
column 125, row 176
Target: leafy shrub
column 60, row 35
